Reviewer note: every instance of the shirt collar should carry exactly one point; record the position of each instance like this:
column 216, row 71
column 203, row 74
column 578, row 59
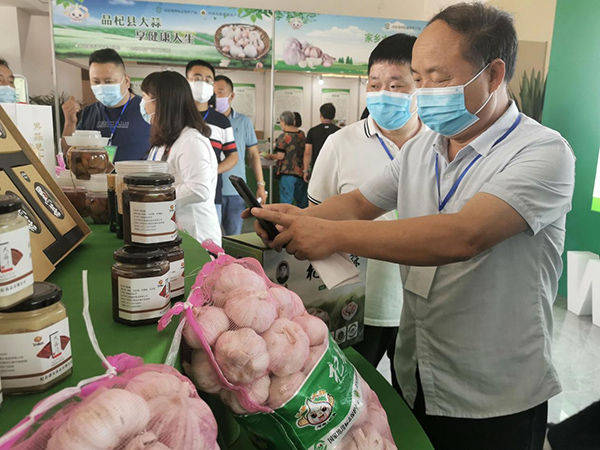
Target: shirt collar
column 483, row 143
column 233, row 114
column 371, row 129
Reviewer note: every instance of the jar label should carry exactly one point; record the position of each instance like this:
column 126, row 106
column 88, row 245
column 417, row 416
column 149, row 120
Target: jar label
column 16, row 268
column 177, row 278
column 36, row 358
column 153, row 222
column 144, row 298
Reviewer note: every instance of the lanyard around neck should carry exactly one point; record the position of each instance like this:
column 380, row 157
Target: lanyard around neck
column 452, row 191
column 205, row 115
column 114, row 127
column 385, row 147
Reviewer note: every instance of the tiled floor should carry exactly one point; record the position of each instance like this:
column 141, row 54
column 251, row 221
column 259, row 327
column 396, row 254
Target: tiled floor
column 576, row 351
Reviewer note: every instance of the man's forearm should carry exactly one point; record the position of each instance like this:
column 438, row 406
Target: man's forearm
column 228, row 163
column 256, row 165
column 350, row 206
column 423, row 241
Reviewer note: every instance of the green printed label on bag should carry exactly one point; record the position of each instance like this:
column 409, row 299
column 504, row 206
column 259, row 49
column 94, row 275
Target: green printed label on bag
column 318, row 416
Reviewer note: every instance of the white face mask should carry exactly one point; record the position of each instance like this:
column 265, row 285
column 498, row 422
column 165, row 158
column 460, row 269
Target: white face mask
column 202, row 91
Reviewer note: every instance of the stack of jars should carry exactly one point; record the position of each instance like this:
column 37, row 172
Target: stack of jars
column 35, row 350
column 148, row 272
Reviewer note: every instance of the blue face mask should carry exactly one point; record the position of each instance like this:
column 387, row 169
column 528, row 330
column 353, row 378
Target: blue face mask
column 147, row 117
column 390, row 110
column 108, row 94
column 8, row 94
column 444, row 110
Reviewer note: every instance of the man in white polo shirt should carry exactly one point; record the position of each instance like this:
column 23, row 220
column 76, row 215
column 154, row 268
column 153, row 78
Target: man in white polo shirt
column 359, row 151
column 482, row 198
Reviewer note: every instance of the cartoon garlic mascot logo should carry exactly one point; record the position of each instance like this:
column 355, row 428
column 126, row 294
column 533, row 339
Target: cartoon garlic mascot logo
column 77, row 13
column 317, row 410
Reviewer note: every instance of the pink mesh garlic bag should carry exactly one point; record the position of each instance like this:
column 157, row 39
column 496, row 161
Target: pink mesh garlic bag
column 132, row 406
column 252, row 342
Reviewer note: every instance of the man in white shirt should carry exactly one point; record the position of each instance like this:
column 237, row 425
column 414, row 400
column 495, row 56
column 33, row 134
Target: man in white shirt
column 358, row 152
column 482, row 198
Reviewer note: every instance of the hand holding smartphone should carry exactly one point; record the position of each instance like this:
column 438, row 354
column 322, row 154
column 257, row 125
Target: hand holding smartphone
column 251, row 202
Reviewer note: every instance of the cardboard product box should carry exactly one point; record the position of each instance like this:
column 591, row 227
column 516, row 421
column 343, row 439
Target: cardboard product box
column 341, row 308
column 55, row 227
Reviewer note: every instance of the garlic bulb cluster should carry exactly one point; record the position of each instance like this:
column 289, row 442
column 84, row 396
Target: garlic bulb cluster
column 139, row 410
column 261, row 336
column 241, row 41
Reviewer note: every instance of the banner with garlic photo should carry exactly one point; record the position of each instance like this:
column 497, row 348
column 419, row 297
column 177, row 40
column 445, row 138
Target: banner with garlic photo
column 325, row 43
column 164, row 33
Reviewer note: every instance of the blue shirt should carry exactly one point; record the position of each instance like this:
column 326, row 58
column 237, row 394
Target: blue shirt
column 245, row 137
column 132, row 135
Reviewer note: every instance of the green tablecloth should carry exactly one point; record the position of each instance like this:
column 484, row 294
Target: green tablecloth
column 95, row 255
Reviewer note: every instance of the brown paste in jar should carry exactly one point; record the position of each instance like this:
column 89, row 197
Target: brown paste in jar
column 140, row 285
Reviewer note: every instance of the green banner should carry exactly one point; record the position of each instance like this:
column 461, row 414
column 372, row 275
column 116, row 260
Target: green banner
column 164, row 33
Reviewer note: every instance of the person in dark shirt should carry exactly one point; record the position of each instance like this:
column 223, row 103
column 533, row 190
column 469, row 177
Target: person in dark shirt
column 201, row 76
column 317, row 136
column 116, row 114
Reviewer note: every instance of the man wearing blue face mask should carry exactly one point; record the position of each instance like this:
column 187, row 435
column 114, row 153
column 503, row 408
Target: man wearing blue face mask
column 358, row 152
column 482, row 199
column 7, row 84
column 116, row 114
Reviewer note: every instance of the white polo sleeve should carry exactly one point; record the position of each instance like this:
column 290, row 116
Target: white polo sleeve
column 324, row 180
column 382, row 189
column 538, row 182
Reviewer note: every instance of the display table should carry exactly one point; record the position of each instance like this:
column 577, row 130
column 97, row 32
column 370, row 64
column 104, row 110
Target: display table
column 95, row 255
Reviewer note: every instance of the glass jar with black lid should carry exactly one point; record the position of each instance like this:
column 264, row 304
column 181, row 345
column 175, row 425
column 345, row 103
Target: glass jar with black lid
column 149, row 209
column 140, row 285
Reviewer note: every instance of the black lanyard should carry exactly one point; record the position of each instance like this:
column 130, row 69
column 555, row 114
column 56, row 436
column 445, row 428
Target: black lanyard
column 452, row 191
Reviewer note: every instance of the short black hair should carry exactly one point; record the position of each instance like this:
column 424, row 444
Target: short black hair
column 106, row 55
column 327, row 110
column 4, row 63
column 225, row 79
column 490, row 33
column 297, row 119
column 394, row 49
column 199, row 62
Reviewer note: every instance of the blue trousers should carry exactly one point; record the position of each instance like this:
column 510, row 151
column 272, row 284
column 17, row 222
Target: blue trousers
column 292, row 189
column 231, row 220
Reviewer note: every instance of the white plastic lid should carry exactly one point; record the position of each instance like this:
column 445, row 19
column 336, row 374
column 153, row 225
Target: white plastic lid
column 86, row 138
column 127, row 167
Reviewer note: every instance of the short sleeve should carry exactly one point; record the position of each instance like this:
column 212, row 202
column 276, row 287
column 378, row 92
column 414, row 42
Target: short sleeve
column 228, row 139
column 309, row 136
column 279, row 143
column 324, row 179
column 538, row 183
column 251, row 139
column 382, row 189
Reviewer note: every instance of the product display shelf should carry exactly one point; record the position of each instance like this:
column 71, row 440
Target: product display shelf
column 95, row 255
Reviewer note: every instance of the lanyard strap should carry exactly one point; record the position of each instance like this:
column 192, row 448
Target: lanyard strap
column 385, row 147
column 205, row 115
column 114, row 128
column 452, row 191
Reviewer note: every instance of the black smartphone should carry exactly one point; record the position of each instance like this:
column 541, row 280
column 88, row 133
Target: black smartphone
column 251, row 202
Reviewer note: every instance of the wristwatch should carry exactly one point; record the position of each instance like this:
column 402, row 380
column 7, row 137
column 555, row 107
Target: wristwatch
column 261, row 183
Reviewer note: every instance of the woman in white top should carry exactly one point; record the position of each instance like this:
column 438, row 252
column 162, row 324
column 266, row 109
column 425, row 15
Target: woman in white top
column 179, row 136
